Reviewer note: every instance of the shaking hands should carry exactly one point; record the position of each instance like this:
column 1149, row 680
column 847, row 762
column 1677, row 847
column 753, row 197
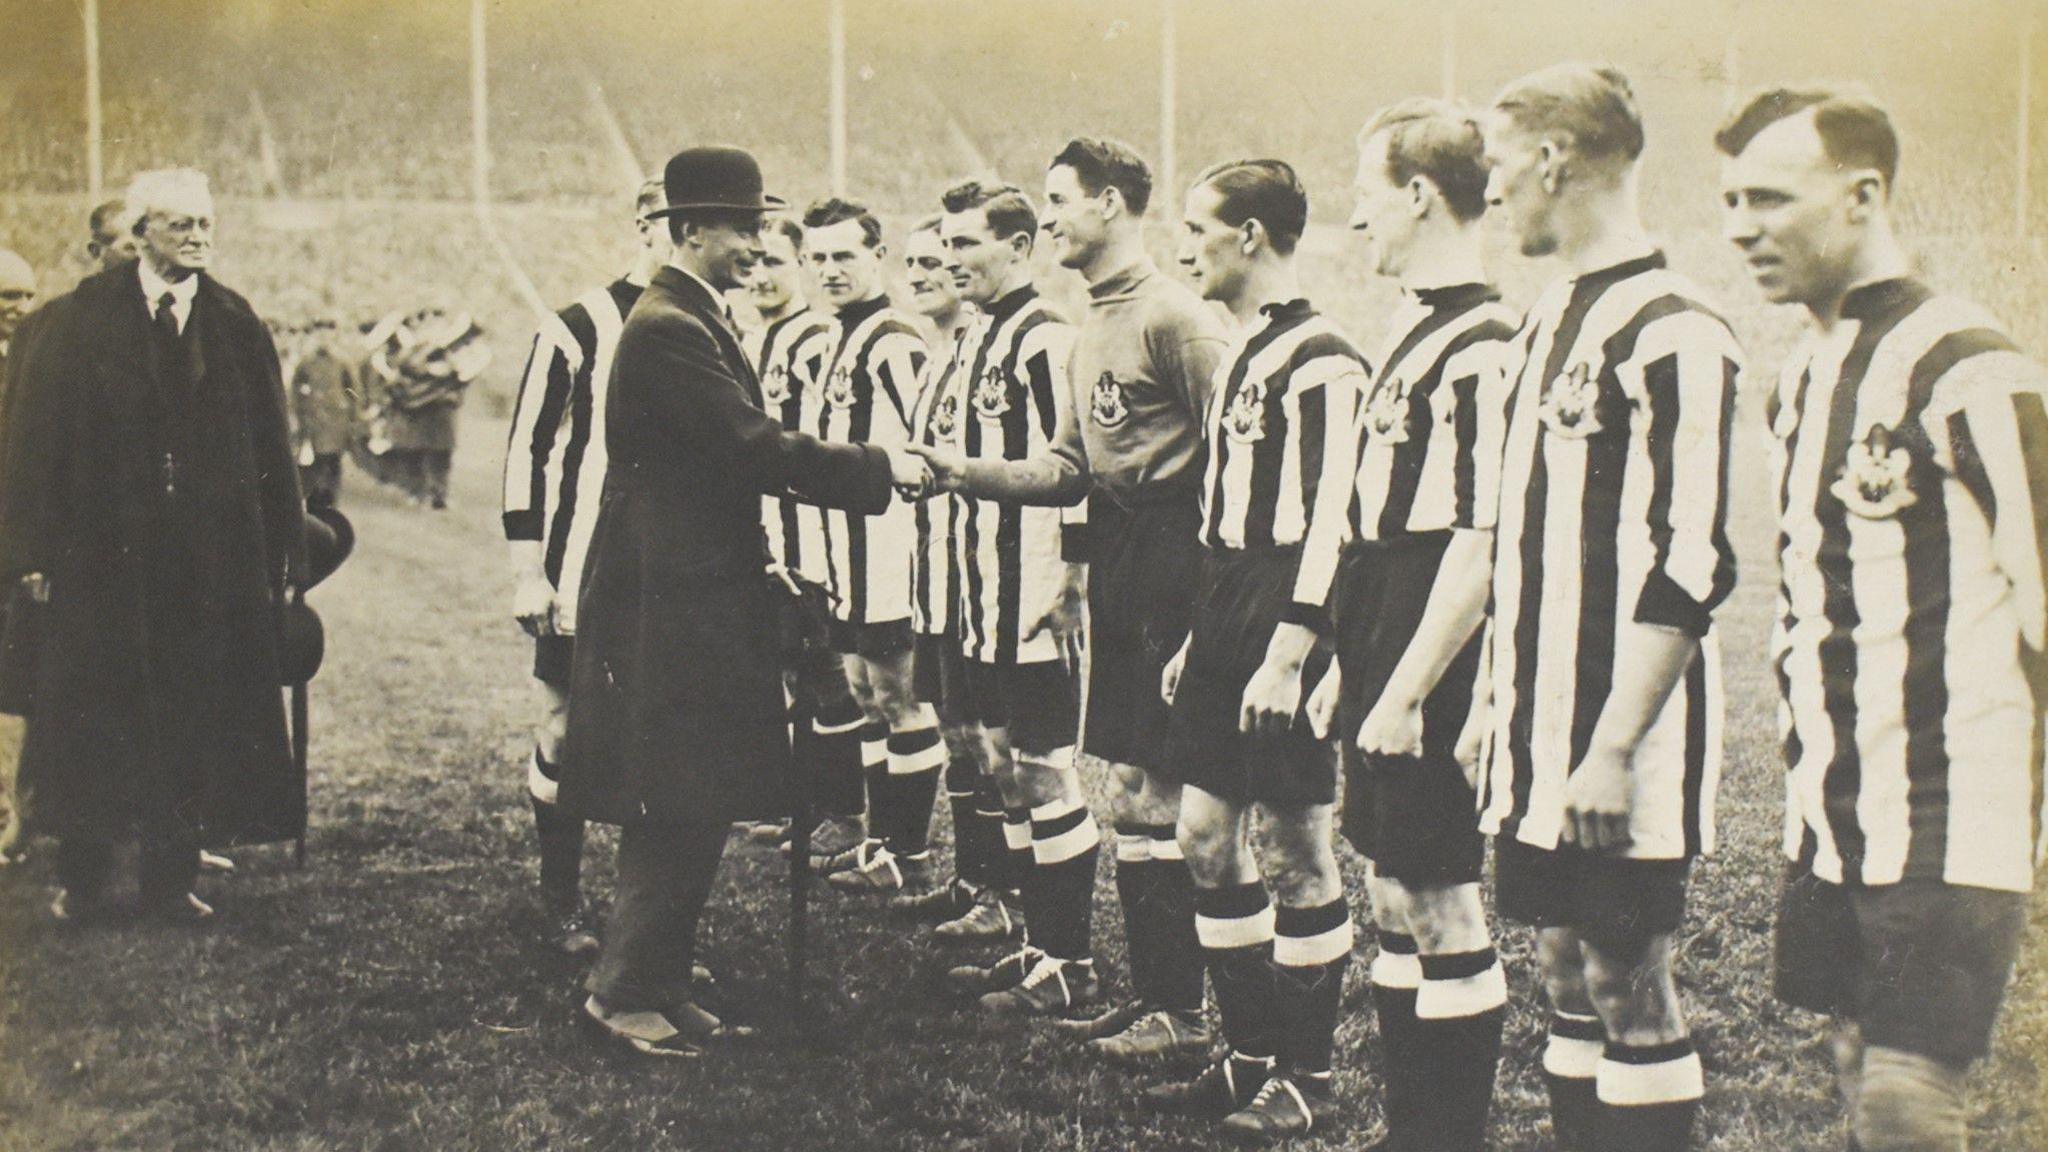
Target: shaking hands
column 923, row 469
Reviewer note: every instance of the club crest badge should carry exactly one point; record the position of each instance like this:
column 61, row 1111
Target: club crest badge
column 1106, row 402
column 991, row 394
column 945, row 419
column 775, row 385
column 1570, row 405
column 1875, row 482
column 1244, row 420
column 1386, row 413
column 839, row 388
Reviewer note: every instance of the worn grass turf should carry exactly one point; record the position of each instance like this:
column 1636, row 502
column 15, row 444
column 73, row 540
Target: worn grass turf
column 393, row 996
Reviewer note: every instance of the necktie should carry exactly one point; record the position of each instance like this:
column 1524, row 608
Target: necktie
column 166, row 318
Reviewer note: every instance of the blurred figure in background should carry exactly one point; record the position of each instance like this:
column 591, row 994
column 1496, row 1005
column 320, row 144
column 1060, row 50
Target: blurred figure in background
column 17, row 296
column 113, row 240
column 438, row 354
column 324, row 413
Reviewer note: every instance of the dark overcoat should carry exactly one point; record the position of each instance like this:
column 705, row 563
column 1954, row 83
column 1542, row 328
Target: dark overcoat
column 153, row 486
column 675, row 707
column 324, row 400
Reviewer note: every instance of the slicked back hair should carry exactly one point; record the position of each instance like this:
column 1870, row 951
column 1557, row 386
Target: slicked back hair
column 1855, row 130
column 108, row 219
column 1439, row 140
column 835, row 210
column 1264, row 190
column 652, row 195
column 1007, row 208
column 1101, row 163
column 1591, row 107
column 789, row 229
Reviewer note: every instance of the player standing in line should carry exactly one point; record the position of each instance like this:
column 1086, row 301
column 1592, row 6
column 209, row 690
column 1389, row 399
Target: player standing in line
column 1280, row 464
column 1018, row 643
column 554, row 474
column 788, row 352
column 1910, row 445
column 865, row 394
column 1611, row 556
column 1131, row 443
column 934, row 597
column 1411, row 597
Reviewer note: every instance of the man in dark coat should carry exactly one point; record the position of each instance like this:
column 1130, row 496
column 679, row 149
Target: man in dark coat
column 17, row 296
column 676, row 714
column 149, row 506
column 324, row 404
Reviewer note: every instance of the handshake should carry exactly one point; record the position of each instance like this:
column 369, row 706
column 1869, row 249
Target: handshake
column 920, row 470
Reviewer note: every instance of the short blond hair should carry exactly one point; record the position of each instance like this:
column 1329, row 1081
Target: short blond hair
column 164, row 189
column 1590, row 108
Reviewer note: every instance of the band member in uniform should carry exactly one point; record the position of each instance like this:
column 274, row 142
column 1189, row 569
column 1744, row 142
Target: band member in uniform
column 324, row 414
column 1018, row 645
column 1131, row 444
column 554, row 476
column 980, row 876
column 788, row 352
column 1411, row 596
column 1910, row 444
column 869, row 384
column 1274, row 928
column 1611, row 555
column 677, row 722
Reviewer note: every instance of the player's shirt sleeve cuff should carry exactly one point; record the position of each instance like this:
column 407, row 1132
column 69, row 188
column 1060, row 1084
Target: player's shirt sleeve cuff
column 523, row 525
column 1665, row 604
column 1314, row 617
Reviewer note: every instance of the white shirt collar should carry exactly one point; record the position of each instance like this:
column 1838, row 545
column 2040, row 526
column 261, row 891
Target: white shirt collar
column 182, row 293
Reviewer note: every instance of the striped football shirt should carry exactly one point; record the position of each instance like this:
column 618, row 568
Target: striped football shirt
column 1613, row 512
column 1280, row 450
column 864, row 395
column 1910, row 446
column 935, row 420
column 555, row 455
column 789, row 356
column 1013, row 394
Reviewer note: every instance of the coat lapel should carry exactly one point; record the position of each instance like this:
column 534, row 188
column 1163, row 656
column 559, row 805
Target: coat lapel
column 692, row 295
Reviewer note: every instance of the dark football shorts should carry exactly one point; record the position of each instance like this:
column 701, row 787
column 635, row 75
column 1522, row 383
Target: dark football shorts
column 940, row 675
column 1035, row 702
column 1414, row 817
column 1920, row 965
column 884, row 640
column 1616, row 903
column 553, row 657
column 1141, row 593
column 1242, row 596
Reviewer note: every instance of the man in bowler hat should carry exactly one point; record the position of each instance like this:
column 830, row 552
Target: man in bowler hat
column 676, row 714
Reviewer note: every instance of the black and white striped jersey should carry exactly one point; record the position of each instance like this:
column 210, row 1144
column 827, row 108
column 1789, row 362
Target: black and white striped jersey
column 1014, row 392
column 789, row 355
column 1281, row 454
column 1910, row 444
column 935, row 420
column 864, row 397
column 555, row 454
column 1613, row 512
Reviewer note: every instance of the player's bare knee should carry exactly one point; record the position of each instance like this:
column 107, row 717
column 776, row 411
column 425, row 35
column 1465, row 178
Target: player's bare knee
column 1561, row 965
column 1633, row 991
column 1445, row 920
column 1295, row 856
column 1910, row 1103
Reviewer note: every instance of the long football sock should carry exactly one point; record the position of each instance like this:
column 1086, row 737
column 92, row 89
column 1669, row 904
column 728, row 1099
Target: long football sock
column 1170, row 925
column 874, row 771
column 835, row 766
column 1134, row 883
column 1648, row 1097
column 1396, row 982
column 1017, row 862
column 1571, row 1059
column 915, row 756
column 972, row 830
column 1459, row 1013
column 560, row 836
column 1064, row 845
column 1235, row 926
column 1311, row 951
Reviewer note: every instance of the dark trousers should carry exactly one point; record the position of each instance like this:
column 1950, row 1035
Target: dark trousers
column 165, row 869
column 665, row 875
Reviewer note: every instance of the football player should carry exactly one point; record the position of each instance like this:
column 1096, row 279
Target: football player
column 1910, row 445
column 1611, row 556
column 1411, row 596
column 1274, row 928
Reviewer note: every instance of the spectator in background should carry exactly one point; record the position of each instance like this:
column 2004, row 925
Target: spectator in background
column 17, row 296
column 149, row 509
column 113, row 238
column 324, row 409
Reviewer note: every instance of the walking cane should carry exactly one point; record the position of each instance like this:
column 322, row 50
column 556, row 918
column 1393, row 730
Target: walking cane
column 802, row 819
column 299, row 742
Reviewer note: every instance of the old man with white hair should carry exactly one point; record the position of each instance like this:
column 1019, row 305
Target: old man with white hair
column 149, row 520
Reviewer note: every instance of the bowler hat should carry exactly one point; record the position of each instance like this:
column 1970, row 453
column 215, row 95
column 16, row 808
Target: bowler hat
column 302, row 642
column 714, row 176
column 329, row 540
